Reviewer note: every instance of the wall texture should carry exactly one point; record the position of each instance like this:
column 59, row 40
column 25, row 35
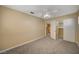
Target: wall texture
column 18, row 28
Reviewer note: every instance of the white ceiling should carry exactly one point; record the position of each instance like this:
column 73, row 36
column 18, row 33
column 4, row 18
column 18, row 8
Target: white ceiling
column 41, row 10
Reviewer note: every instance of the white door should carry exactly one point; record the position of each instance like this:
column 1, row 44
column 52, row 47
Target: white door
column 69, row 29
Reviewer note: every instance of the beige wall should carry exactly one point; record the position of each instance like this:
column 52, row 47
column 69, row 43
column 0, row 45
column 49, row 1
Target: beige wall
column 0, row 28
column 53, row 28
column 19, row 27
column 78, row 31
column 78, row 34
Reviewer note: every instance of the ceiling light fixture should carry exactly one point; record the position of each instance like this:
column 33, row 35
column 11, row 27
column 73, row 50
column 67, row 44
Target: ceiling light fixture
column 47, row 16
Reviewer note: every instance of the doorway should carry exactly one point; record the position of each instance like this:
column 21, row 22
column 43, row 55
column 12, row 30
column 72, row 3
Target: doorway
column 59, row 30
column 59, row 33
column 48, row 29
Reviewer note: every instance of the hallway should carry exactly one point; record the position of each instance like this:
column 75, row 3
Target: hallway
column 18, row 27
column 46, row 45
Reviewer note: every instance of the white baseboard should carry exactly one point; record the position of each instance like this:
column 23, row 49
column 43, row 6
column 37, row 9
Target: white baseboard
column 20, row 44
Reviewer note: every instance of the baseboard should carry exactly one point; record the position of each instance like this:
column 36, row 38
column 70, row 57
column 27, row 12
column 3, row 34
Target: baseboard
column 77, row 43
column 20, row 44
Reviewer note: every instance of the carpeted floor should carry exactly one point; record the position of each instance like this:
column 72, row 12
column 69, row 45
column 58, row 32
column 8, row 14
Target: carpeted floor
column 46, row 46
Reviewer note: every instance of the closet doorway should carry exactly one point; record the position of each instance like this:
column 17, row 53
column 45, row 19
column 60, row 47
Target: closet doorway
column 59, row 30
column 48, row 29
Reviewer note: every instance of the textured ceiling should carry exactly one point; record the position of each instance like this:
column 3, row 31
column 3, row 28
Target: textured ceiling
column 41, row 10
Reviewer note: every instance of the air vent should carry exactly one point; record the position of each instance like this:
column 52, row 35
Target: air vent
column 32, row 12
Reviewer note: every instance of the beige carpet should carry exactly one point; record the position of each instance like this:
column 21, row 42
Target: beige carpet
column 46, row 46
